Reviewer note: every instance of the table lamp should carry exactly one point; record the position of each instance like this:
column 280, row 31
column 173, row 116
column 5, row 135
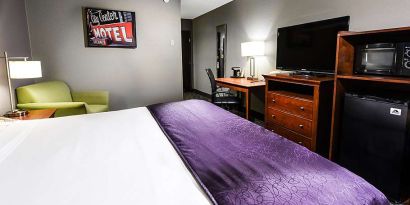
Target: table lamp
column 20, row 68
column 251, row 50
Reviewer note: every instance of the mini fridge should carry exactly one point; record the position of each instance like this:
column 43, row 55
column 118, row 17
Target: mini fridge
column 374, row 142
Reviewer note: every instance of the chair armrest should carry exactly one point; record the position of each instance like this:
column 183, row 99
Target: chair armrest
column 57, row 105
column 223, row 93
column 92, row 98
column 222, row 89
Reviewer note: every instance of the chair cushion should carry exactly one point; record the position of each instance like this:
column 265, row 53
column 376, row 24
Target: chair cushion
column 96, row 108
column 56, row 105
column 91, row 97
column 47, row 92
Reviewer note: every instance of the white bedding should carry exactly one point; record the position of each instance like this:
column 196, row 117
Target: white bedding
column 116, row 158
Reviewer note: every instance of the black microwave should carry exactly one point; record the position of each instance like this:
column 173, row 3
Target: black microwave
column 383, row 59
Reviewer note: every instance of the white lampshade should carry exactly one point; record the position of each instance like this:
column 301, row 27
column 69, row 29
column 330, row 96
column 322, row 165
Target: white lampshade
column 254, row 48
column 25, row 69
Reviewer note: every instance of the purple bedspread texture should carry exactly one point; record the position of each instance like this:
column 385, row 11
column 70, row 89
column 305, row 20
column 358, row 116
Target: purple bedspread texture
column 238, row 162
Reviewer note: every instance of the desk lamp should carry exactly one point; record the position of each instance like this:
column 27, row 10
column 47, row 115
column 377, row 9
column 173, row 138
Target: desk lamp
column 251, row 50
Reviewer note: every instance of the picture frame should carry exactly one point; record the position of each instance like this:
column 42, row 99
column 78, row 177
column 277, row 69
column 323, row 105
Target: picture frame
column 108, row 28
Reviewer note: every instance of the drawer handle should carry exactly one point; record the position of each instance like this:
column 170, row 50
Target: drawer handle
column 301, row 126
column 273, row 116
column 274, row 101
column 302, row 108
column 301, row 143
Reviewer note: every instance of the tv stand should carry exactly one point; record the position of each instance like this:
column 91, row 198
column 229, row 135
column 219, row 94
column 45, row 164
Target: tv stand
column 299, row 108
column 308, row 74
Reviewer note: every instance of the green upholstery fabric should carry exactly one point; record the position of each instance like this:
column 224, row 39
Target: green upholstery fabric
column 97, row 108
column 54, row 91
column 57, row 95
column 91, row 98
column 63, row 108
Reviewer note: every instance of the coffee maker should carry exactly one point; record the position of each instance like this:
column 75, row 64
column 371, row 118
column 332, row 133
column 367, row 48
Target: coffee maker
column 237, row 72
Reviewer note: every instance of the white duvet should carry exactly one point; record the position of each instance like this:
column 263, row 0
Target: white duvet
column 115, row 158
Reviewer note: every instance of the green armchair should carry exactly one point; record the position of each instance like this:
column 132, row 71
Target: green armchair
column 56, row 94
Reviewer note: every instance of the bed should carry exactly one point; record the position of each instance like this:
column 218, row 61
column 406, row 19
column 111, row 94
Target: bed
column 189, row 152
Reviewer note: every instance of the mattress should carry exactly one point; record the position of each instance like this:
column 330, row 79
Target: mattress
column 110, row 158
column 181, row 153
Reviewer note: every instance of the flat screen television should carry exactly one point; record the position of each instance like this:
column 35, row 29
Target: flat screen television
column 310, row 47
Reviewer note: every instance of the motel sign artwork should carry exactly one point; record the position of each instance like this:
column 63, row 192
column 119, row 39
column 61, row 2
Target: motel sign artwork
column 110, row 28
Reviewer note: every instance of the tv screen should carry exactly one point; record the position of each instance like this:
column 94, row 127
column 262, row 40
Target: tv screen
column 311, row 46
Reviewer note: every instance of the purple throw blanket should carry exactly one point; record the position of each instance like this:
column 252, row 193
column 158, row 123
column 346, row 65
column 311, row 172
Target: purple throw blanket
column 238, row 162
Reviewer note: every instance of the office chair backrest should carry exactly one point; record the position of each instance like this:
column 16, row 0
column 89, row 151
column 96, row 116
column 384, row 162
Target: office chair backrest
column 213, row 83
column 212, row 79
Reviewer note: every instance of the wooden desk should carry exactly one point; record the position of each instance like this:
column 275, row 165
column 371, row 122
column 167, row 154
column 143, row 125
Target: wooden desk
column 241, row 85
column 38, row 114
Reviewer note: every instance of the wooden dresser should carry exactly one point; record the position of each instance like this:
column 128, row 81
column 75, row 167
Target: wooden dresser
column 299, row 108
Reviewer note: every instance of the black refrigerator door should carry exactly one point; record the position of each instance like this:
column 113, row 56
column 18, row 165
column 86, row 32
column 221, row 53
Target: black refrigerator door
column 373, row 142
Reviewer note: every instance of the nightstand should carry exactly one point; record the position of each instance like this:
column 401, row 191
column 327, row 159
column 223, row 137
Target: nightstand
column 38, row 114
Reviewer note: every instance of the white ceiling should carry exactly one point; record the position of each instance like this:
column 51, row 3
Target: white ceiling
column 191, row 9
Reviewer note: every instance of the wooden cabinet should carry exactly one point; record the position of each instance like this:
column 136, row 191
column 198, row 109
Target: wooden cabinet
column 346, row 81
column 302, row 106
column 299, row 109
column 282, row 131
column 290, row 121
column 394, row 87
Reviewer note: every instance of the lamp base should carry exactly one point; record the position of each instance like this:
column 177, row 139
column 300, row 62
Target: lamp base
column 16, row 113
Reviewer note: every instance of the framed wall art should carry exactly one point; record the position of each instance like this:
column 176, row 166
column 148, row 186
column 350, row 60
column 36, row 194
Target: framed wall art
column 109, row 28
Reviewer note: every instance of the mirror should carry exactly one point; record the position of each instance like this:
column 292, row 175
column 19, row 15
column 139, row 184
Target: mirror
column 221, row 35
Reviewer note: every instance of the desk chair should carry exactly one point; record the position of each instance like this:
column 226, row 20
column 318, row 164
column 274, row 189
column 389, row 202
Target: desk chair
column 220, row 97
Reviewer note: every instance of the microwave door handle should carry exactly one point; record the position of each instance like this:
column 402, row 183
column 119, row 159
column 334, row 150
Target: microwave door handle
column 395, row 58
column 365, row 63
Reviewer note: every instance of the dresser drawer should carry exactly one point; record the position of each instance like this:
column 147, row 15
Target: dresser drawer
column 290, row 135
column 289, row 121
column 294, row 105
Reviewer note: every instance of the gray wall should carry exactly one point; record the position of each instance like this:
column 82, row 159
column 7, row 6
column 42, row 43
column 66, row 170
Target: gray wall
column 15, row 40
column 250, row 20
column 151, row 73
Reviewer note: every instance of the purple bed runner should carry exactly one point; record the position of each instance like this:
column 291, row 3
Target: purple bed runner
column 238, row 162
